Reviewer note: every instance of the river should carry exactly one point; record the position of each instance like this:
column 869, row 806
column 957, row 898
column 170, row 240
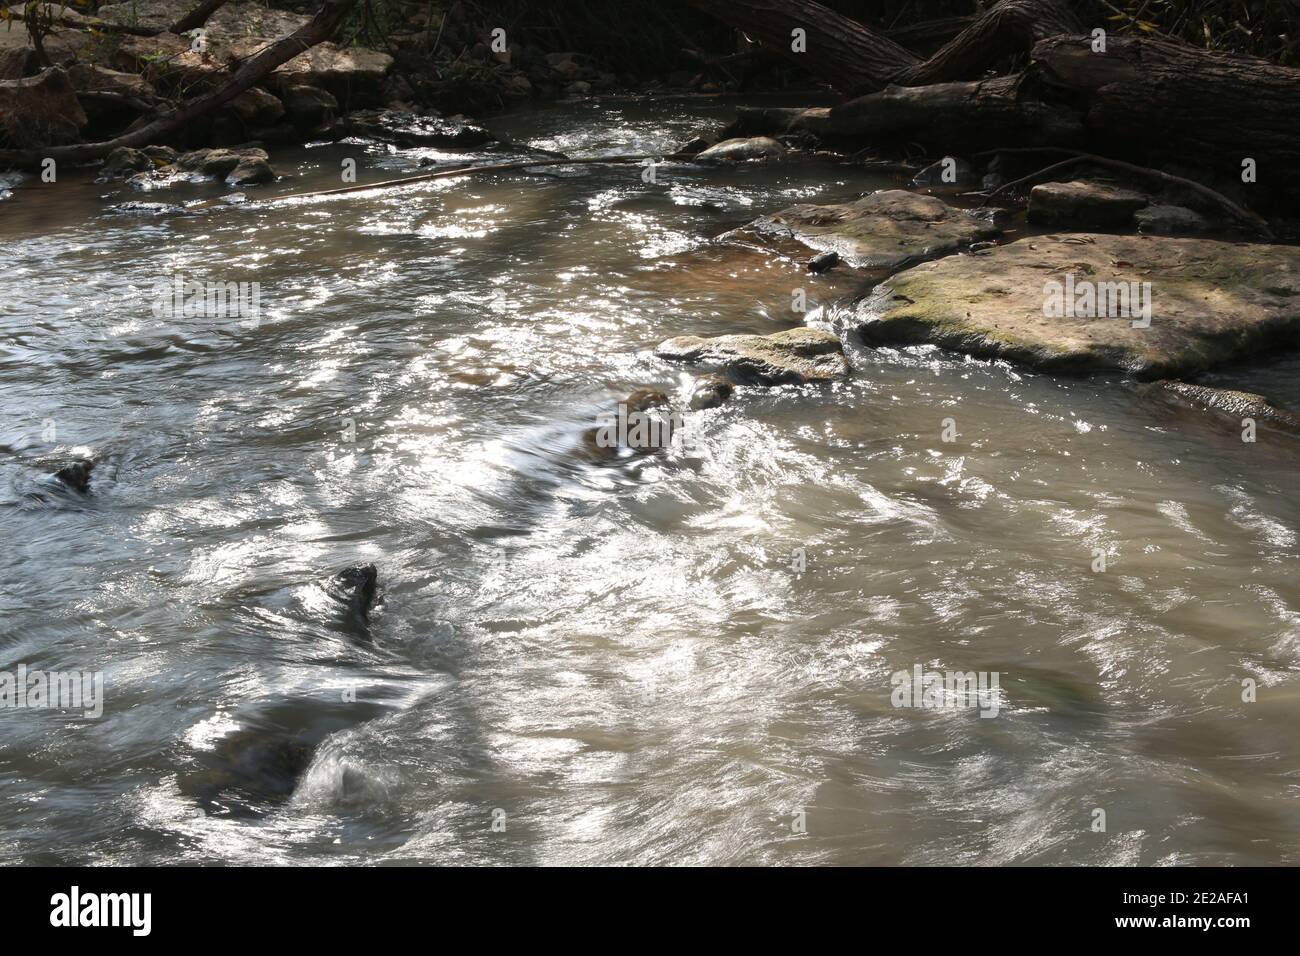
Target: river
column 672, row 659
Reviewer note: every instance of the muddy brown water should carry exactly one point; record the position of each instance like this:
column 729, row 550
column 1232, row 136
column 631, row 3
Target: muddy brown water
column 615, row 662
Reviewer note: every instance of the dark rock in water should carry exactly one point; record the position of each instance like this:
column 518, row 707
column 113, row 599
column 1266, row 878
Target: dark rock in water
column 710, row 392
column 255, row 769
column 219, row 163
column 754, row 148
column 161, row 154
column 251, row 170
column 151, row 209
column 793, row 356
column 355, row 588
column 1229, row 402
column 403, row 128
column 1165, row 220
column 824, row 262
column 698, row 145
column 123, row 161
column 628, row 429
column 76, row 475
column 644, row 399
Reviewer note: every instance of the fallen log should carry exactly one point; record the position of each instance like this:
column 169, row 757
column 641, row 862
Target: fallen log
column 320, row 28
column 844, row 53
column 962, row 117
column 1008, row 28
column 1169, row 102
column 855, row 59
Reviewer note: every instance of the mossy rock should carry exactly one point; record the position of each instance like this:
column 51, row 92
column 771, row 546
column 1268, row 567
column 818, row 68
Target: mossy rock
column 1210, row 302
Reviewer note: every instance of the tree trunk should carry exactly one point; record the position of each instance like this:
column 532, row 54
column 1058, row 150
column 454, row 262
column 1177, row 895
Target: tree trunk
column 1009, row 28
column 960, row 117
column 1166, row 101
column 841, row 52
column 321, row 27
column 855, row 59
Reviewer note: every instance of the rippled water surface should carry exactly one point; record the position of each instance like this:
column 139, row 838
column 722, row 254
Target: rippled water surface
column 618, row 656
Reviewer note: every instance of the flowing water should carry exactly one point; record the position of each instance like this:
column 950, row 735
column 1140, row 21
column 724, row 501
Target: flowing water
column 580, row 660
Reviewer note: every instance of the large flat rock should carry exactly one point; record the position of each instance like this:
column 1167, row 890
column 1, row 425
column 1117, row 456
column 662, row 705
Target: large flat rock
column 1211, row 302
column 793, row 356
column 1083, row 205
column 883, row 230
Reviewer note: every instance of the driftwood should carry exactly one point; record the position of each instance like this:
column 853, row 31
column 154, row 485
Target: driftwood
column 320, row 28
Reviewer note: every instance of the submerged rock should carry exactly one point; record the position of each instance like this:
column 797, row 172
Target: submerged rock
column 710, row 392
column 256, row 767
column 644, row 399
column 885, row 229
column 1169, row 221
column 628, row 429
column 823, row 262
column 1083, row 205
column 1238, row 405
column 355, row 588
column 1210, row 302
column 742, row 150
column 136, row 208
column 404, row 128
column 7, row 182
column 793, row 356
column 76, row 475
